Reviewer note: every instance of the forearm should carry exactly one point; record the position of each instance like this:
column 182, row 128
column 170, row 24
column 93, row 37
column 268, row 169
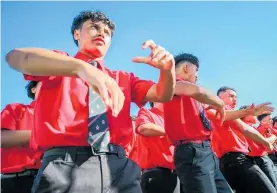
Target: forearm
column 166, row 85
column 232, row 115
column 42, row 62
column 207, row 97
column 150, row 129
column 251, row 133
column 15, row 138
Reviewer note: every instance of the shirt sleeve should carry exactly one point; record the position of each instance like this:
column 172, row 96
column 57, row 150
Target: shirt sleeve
column 139, row 89
column 8, row 117
column 41, row 78
column 142, row 118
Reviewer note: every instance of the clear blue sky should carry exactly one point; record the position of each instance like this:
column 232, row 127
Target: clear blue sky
column 236, row 42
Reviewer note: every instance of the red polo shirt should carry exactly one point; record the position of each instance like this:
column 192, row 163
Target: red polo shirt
column 18, row 117
column 256, row 149
column 154, row 151
column 182, row 120
column 62, row 109
column 267, row 132
column 228, row 138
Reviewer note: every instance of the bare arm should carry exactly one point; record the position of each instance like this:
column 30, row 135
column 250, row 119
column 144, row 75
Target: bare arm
column 164, row 89
column 253, row 134
column 42, row 62
column 17, row 138
column 150, row 129
column 200, row 94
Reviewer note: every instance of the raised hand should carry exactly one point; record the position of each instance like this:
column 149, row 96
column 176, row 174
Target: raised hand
column 159, row 57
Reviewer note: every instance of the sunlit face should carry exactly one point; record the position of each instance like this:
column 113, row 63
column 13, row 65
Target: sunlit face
column 229, row 97
column 267, row 121
column 93, row 38
column 188, row 72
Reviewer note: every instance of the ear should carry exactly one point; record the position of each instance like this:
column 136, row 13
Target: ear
column 185, row 68
column 34, row 90
column 77, row 34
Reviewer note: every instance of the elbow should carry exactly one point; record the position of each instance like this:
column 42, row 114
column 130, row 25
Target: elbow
column 166, row 98
column 167, row 95
column 142, row 130
column 16, row 58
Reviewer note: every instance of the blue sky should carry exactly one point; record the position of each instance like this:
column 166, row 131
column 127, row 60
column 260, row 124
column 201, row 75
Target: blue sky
column 236, row 42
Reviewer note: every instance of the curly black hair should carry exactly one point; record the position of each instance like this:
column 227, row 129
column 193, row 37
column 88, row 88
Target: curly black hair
column 185, row 57
column 224, row 89
column 29, row 87
column 94, row 16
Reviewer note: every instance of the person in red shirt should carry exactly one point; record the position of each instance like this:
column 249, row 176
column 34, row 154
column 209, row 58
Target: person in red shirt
column 259, row 152
column 266, row 129
column 83, row 111
column 229, row 140
column 189, row 130
column 134, row 150
column 155, row 153
column 19, row 162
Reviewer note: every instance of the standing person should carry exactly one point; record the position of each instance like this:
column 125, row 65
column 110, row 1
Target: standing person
column 19, row 162
column 189, row 131
column 266, row 129
column 259, row 152
column 155, row 152
column 232, row 148
column 83, row 141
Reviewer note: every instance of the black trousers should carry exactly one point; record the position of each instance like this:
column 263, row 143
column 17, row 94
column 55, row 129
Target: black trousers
column 159, row 180
column 80, row 170
column 244, row 175
column 18, row 182
column 198, row 169
column 268, row 167
column 273, row 157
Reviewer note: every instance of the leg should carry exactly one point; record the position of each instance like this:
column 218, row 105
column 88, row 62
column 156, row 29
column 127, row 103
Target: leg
column 159, row 180
column 195, row 167
column 222, row 185
column 248, row 177
column 267, row 166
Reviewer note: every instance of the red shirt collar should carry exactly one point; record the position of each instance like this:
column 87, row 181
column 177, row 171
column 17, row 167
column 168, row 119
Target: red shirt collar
column 33, row 103
column 86, row 58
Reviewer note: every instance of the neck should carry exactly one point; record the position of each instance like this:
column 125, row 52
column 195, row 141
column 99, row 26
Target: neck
column 91, row 55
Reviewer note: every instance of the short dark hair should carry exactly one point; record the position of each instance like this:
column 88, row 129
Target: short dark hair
column 29, row 87
column 244, row 107
column 224, row 89
column 261, row 117
column 94, row 16
column 274, row 120
column 185, row 57
column 151, row 104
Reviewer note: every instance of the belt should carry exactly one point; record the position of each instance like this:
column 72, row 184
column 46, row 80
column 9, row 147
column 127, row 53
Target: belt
column 186, row 141
column 84, row 150
column 158, row 169
column 19, row 174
